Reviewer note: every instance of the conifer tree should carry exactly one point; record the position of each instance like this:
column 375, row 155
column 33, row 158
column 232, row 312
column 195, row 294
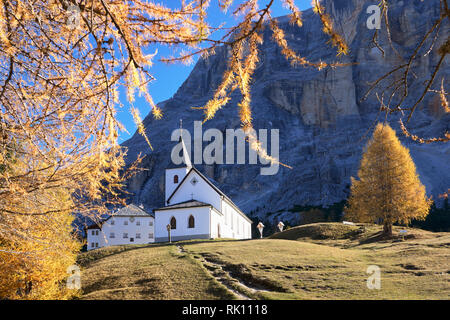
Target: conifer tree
column 388, row 188
column 36, row 249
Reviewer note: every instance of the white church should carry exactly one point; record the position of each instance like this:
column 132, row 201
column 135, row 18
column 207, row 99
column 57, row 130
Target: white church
column 194, row 209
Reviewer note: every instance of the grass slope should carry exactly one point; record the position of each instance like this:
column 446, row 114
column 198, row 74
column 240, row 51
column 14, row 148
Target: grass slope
column 146, row 272
column 317, row 261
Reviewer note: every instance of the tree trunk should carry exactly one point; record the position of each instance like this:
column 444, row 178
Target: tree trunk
column 387, row 229
column 28, row 287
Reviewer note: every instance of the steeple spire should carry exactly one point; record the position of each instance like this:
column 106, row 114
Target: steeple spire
column 186, row 159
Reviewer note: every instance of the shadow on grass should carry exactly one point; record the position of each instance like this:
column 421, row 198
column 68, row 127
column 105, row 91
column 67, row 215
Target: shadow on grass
column 193, row 242
column 107, row 282
column 149, row 286
column 383, row 238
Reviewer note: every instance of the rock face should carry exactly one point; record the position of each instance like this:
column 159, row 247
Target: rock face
column 317, row 102
column 323, row 123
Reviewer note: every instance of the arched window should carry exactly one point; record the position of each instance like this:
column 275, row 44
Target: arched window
column 175, row 179
column 173, row 223
column 191, row 222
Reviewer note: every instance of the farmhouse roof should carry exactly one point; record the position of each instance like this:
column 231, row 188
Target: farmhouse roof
column 131, row 210
column 94, row 226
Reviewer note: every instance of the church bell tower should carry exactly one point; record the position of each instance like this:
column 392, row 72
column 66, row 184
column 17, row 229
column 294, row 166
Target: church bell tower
column 176, row 173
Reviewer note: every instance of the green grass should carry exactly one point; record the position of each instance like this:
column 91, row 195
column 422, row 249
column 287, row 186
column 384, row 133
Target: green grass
column 317, row 261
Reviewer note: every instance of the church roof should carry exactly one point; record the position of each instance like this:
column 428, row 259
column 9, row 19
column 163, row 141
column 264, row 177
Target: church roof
column 186, row 158
column 185, row 204
column 176, row 166
column 131, row 210
column 227, row 199
column 202, row 176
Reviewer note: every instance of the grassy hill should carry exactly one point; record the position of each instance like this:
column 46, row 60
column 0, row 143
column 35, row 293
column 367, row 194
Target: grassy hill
column 344, row 235
column 317, row 261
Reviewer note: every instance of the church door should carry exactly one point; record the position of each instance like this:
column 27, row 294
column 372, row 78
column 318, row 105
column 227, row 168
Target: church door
column 218, row 230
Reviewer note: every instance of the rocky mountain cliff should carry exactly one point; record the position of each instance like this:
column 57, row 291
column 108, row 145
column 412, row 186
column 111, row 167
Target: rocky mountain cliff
column 323, row 123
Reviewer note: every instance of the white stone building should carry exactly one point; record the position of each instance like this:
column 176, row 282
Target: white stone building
column 128, row 225
column 196, row 209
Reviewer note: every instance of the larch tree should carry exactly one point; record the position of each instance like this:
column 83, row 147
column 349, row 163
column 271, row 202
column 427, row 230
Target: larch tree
column 36, row 249
column 388, row 188
column 36, row 259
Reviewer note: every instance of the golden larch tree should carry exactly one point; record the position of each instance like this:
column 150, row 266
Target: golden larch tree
column 388, row 188
column 37, row 243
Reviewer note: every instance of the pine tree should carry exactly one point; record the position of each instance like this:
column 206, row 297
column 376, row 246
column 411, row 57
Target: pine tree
column 388, row 189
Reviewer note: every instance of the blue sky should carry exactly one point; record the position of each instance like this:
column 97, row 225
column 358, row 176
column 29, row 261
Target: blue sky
column 169, row 77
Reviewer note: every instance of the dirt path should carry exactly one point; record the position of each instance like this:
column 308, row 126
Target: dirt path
column 218, row 271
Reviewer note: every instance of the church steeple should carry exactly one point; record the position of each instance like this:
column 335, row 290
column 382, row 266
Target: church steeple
column 176, row 173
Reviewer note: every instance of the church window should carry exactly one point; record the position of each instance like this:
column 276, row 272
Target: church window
column 96, row 244
column 112, row 222
column 150, row 235
column 125, row 223
column 112, row 235
column 191, row 223
column 175, row 179
column 150, row 223
column 131, row 220
column 92, row 245
column 138, row 223
column 125, row 235
column 138, row 235
column 173, row 223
